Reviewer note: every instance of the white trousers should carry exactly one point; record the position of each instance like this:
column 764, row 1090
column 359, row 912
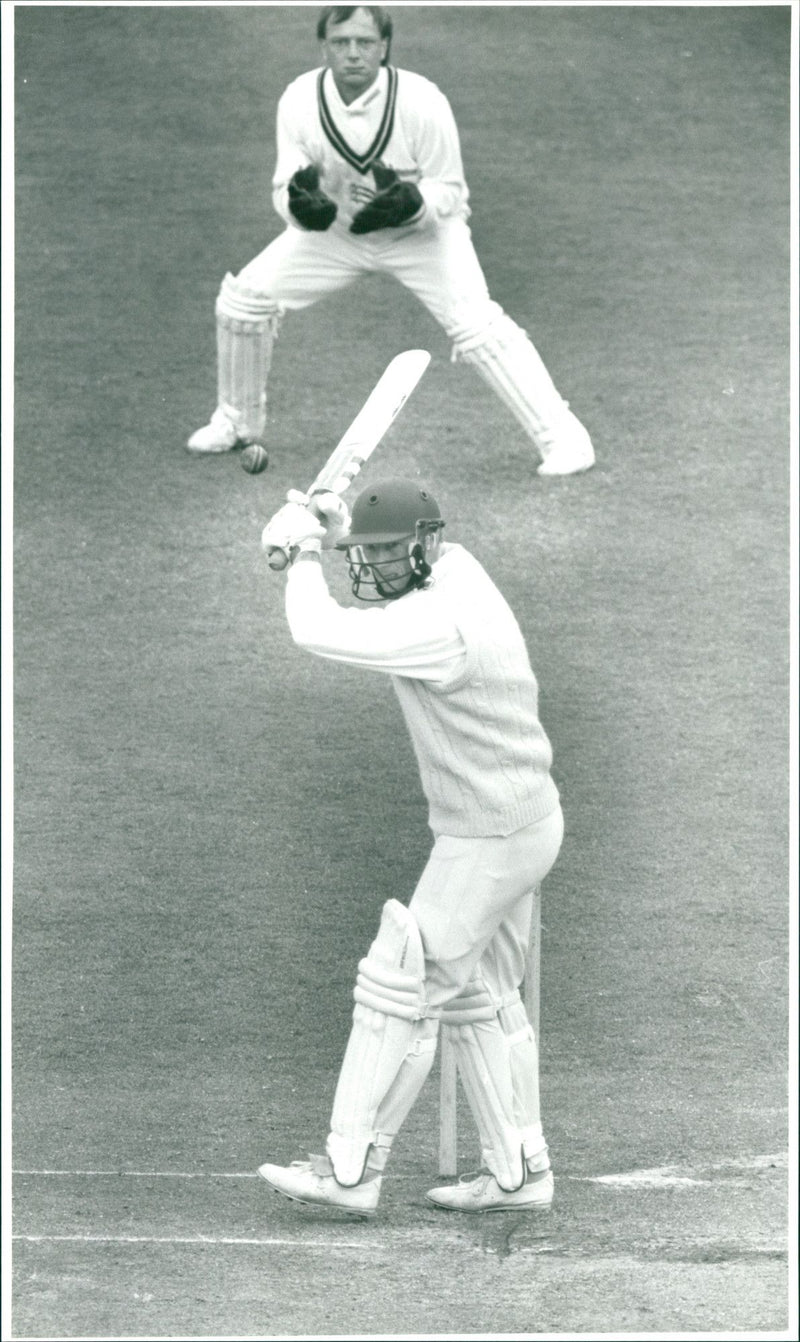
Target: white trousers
column 439, row 265
column 473, row 906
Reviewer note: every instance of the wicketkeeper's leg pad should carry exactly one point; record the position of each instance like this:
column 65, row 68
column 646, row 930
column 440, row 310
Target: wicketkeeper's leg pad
column 507, row 360
column 390, row 1049
column 247, row 326
column 487, row 1035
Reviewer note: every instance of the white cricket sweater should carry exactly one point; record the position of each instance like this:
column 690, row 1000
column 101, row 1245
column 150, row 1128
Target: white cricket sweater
column 402, row 120
column 459, row 665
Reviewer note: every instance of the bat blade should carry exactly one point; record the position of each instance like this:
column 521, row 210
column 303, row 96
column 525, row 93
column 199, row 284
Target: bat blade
column 359, row 441
column 375, row 417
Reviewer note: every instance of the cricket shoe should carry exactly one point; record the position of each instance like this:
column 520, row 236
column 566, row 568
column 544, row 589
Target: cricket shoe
column 570, row 453
column 220, row 435
column 482, row 1193
column 312, row 1181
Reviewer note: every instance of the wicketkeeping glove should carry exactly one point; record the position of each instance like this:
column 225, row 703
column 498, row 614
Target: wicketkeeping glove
column 395, row 203
column 309, row 205
column 292, row 524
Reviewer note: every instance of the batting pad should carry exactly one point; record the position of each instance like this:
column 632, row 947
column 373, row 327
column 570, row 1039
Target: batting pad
column 510, row 364
column 390, row 1049
column 247, row 327
column 485, row 1055
column 524, row 1061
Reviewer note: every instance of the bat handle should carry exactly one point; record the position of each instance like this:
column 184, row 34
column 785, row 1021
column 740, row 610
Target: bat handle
column 277, row 559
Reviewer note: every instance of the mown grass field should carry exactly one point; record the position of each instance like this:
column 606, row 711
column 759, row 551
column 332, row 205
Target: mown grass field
column 207, row 822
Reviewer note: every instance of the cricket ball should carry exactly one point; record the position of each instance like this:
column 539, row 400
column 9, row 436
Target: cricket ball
column 254, row 459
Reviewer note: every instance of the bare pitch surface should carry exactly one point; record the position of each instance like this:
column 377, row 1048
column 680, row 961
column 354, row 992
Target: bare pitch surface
column 207, row 822
column 208, row 1256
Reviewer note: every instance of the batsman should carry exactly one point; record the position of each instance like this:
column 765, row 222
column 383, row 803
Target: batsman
column 453, row 958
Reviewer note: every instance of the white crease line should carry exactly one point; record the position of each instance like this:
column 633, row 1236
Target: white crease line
column 648, row 1179
column 192, row 1239
column 136, row 1174
column 149, row 1174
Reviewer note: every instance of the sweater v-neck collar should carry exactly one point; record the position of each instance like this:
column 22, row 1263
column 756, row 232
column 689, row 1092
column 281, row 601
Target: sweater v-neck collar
column 361, row 162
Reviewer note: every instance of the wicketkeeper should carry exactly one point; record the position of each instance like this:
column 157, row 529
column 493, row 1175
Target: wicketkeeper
column 454, row 958
column 369, row 179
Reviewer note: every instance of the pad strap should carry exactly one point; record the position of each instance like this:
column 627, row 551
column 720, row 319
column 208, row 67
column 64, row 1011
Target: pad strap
column 248, row 305
column 475, row 1002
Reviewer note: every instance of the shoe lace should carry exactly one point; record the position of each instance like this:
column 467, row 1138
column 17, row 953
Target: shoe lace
column 473, row 1175
column 320, row 1165
column 315, row 1164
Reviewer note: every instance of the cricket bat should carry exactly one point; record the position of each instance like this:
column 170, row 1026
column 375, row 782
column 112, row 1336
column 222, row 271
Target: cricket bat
column 376, row 415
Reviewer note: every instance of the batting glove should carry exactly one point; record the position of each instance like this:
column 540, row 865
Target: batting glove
column 331, row 510
column 335, row 515
column 292, row 525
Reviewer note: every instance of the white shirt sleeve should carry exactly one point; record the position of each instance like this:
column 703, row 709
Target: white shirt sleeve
column 409, row 637
column 291, row 155
column 438, row 153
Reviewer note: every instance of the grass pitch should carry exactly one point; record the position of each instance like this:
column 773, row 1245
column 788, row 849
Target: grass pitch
column 207, row 822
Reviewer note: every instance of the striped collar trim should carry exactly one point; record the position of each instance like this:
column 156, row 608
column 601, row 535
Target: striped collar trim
column 361, row 162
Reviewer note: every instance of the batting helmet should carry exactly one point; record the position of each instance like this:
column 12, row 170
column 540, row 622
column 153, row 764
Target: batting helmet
column 398, row 514
column 389, row 511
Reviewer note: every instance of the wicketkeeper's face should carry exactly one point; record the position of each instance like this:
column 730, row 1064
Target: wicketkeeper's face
column 354, row 51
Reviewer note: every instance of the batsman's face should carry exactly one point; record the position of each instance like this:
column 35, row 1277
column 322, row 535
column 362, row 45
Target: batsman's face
column 391, row 566
column 385, row 571
column 354, row 50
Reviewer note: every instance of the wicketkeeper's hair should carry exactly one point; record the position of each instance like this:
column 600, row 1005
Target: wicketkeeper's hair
column 341, row 13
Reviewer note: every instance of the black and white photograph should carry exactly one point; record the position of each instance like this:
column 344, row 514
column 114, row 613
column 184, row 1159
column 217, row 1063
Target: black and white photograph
column 399, row 670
